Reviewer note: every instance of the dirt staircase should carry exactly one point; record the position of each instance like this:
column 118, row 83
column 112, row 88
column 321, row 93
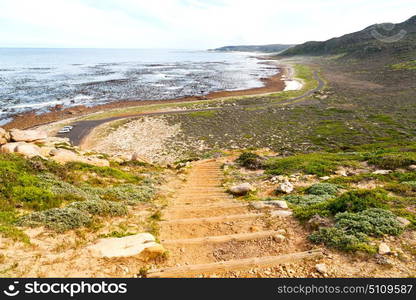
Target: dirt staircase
column 208, row 233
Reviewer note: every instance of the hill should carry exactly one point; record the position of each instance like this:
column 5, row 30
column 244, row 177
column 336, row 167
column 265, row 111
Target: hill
column 255, row 48
column 375, row 39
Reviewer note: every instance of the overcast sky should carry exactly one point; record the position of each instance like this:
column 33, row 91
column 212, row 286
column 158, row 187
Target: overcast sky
column 187, row 24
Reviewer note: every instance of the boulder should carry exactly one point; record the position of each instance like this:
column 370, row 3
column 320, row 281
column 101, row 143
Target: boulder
column 28, row 150
column 63, row 156
column 341, row 172
column 278, row 203
column 137, row 157
column 9, row 147
column 46, row 151
column 324, row 177
column 321, row 268
column 18, row 135
column 241, row 189
column 96, row 161
column 382, row 172
column 285, row 187
column 279, row 238
column 142, row 244
column 412, row 167
column 403, row 221
column 281, row 213
column 383, row 248
column 4, row 136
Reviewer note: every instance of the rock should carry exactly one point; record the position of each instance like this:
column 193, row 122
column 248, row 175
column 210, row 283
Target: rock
column 341, row 172
column 403, row 221
column 46, row 151
column 28, row 150
column 382, row 260
column 281, row 213
column 285, row 187
column 382, row 172
column 18, row 135
column 324, row 177
column 241, row 189
column 258, row 204
column 128, row 246
column 278, row 203
column 137, row 157
column 4, row 136
column 321, row 268
column 412, row 167
column 63, row 156
column 96, row 161
column 279, row 238
column 383, row 248
column 9, row 147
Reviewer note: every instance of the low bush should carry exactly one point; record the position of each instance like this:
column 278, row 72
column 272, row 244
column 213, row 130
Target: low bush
column 57, row 219
column 393, row 161
column 304, row 200
column 340, row 239
column 320, row 164
column 304, row 213
column 358, row 200
column 250, row 161
column 373, row 222
column 35, row 198
column 323, row 189
column 100, row 207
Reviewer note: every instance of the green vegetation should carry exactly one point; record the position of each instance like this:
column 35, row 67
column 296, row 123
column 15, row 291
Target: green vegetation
column 250, row 161
column 407, row 65
column 57, row 219
column 202, row 114
column 36, row 192
column 322, row 189
column 358, row 200
column 320, row 164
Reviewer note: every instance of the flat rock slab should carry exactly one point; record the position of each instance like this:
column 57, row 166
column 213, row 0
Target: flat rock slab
column 128, row 246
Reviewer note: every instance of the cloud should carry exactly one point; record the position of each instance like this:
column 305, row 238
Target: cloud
column 186, row 23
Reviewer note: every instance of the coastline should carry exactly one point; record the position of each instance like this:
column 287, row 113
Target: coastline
column 275, row 83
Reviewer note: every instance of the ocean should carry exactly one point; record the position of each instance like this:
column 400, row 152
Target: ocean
column 37, row 79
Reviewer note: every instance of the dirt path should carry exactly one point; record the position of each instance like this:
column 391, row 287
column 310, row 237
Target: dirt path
column 208, row 233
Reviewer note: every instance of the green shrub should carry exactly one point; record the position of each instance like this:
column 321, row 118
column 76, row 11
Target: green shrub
column 303, row 200
column 304, row 213
column 340, row 239
column 100, row 207
column 320, row 164
column 358, row 200
column 57, row 219
column 323, row 189
column 250, row 161
column 35, row 198
column 103, row 171
column 129, row 193
column 393, row 161
column 412, row 184
column 373, row 222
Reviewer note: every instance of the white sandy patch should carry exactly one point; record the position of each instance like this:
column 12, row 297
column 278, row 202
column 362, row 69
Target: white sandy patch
column 293, row 85
column 146, row 136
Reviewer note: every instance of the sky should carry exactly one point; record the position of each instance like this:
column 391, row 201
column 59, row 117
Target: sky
column 188, row 24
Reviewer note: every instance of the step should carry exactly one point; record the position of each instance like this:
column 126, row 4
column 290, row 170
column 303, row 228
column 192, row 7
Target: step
column 214, row 219
column 233, row 265
column 222, row 238
column 228, row 204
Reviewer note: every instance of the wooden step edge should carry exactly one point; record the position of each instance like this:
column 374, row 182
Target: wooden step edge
column 214, row 219
column 191, row 206
column 232, row 265
column 222, row 238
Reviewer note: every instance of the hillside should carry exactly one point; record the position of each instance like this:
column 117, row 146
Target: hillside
column 255, row 48
column 373, row 40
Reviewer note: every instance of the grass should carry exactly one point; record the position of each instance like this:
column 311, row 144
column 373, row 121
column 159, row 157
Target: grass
column 36, row 192
column 407, row 65
column 320, row 164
